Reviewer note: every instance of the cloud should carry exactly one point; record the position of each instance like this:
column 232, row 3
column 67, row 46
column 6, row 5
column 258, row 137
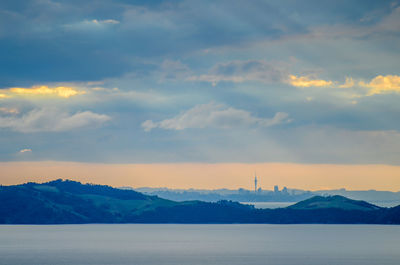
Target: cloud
column 241, row 71
column 306, row 81
column 378, row 85
column 348, row 83
column 26, row 150
column 51, row 120
column 382, row 84
column 59, row 91
column 214, row 115
column 375, row 24
column 261, row 71
column 147, row 97
column 390, row 23
column 9, row 110
column 93, row 24
column 184, row 27
column 106, row 21
column 174, row 71
column 268, row 72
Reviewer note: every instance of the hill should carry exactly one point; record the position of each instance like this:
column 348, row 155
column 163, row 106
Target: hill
column 72, row 202
column 336, row 201
column 65, row 201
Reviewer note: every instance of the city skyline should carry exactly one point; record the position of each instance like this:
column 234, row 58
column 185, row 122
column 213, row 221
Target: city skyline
column 207, row 176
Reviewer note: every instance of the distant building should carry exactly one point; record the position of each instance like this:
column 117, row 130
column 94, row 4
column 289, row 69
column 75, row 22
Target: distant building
column 285, row 190
column 276, row 188
column 255, row 183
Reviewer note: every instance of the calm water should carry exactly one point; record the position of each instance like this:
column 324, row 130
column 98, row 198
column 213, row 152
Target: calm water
column 274, row 205
column 200, row 244
column 270, row 205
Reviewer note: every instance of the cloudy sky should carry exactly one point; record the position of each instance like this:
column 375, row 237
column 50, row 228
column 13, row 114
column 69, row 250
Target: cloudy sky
column 200, row 82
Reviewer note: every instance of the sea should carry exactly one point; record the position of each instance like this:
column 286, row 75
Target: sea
column 176, row 244
column 269, row 205
column 274, row 205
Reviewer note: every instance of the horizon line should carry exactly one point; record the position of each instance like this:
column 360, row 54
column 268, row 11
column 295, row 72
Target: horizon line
column 208, row 176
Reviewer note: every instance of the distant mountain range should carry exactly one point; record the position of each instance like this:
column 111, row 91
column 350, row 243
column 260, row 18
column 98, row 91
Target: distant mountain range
column 381, row 198
column 70, row 202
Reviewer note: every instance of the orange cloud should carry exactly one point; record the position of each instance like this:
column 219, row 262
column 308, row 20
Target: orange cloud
column 60, row 91
column 348, row 83
column 3, row 96
column 382, row 84
column 9, row 110
column 26, row 150
column 306, row 81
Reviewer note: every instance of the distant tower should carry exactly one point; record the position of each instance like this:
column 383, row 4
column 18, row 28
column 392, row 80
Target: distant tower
column 255, row 183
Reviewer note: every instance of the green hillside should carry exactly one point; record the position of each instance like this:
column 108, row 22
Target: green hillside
column 337, row 201
column 69, row 201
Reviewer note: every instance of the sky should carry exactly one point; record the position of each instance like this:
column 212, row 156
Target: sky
column 185, row 88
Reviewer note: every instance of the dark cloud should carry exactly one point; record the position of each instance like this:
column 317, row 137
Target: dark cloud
column 59, row 41
column 67, row 41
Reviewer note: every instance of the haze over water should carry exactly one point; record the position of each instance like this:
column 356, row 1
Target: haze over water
column 200, row 244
